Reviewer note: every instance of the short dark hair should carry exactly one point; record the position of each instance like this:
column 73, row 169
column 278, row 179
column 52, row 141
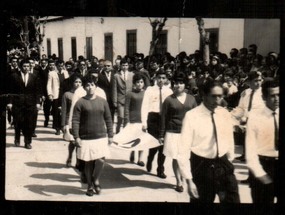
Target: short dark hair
column 13, row 58
column 24, row 61
column 123, row 61
column 210, row 84
column 179, row 77
column 138, row 77
column 253, row 75
column 161, row 72
column 75, row 76
column 268, row 83
column 89, row 79
column 51, row 61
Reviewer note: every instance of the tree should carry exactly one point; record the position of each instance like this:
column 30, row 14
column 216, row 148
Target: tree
column 157, row 26
column 24, row 32
column 205, row 40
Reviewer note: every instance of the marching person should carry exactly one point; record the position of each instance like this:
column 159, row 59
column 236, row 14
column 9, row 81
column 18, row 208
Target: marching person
column 173, row 111
column 25, row 104
column 93, row 131
column 262, row 142
column 207, row 138
column 150, row 114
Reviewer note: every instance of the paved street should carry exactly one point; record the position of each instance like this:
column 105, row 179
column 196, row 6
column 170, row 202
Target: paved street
column 40, row 174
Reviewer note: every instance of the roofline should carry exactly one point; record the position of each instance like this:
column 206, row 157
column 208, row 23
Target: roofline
column 53, row 18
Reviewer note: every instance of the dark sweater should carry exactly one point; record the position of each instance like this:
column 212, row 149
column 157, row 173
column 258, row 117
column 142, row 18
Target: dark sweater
column 91, row 118
column 133, row 106
column 173, row 112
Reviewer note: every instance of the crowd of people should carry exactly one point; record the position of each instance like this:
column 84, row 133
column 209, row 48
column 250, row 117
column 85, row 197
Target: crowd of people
column 193, row 109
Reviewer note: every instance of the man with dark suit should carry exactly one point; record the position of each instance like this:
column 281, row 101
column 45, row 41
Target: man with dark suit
column 25, row 103
column 44, row 78
column 105, row 79
column 140, row 69
column 36, row 73
column 121, row 85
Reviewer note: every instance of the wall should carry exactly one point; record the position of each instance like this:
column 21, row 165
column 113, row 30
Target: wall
column 182, row 35
column 265, row 33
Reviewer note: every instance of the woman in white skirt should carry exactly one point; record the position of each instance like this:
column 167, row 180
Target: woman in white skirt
column 173, row 111
column 93, row 132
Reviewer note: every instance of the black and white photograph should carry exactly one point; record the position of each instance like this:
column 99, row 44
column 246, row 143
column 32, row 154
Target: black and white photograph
column 125, row 108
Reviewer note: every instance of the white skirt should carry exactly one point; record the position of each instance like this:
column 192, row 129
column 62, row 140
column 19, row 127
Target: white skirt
column 93, row 149
column 171, row 141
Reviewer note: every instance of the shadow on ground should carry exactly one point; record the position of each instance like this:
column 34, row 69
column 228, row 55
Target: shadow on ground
column 58, row 189
column 46, row 165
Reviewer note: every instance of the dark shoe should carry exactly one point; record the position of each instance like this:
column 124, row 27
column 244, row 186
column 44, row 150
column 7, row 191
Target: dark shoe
column 34, row 135
column 28, row 146
column 68, row 163
column 148, row 166
column 241, row 158
column 140, row 163
column 97, row 188
column 246, row 181
column 46, row 123
column 161, row 175
column 179, row 189
column 17, row 143
column 90, row 191
column 57, row 132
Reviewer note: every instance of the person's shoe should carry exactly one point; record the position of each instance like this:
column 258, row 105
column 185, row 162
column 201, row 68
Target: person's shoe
column 97, row 188
column 241, row 158
column 17, row 143
column 57, row 132
column 161, row 175
column 68, row 163
column 34, row 135
column 246, row 181
column 148, row 166
column 140, row 163
column 28, row 146
column 90, row 191
column 179, row 189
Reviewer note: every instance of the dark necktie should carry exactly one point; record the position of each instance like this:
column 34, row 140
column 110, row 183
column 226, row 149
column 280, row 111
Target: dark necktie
column 215, row 132
column 276, row 139
column 160, row 99
column 250, row 100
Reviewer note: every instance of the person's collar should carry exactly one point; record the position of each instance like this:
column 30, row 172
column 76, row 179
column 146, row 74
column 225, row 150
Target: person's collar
column 205, row 109
column 269, row 111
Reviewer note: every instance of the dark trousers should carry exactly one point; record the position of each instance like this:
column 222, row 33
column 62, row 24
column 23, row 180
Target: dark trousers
column 214, row 176
column 263, row 194
column 35, row 121
column 56, row 114
column 23, row 121
column 153, row 126
column 47, row 108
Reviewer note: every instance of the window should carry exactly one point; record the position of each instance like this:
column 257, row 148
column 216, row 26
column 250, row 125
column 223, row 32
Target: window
column 89, row 51
column 48, row 47
column 131, row 42
column 161, row 47
column 60, row 48
column 108, row 42
column 73, row 48
column 214, row 40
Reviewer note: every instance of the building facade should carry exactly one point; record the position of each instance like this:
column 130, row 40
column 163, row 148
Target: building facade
column 107, row 37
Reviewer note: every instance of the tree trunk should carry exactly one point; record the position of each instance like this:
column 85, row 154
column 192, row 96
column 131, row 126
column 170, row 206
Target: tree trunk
column 205, row 38
column 26, row 36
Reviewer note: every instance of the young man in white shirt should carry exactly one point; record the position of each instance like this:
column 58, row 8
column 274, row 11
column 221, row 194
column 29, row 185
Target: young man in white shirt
column 207, row 138
column 262, row 142
column 150, row 114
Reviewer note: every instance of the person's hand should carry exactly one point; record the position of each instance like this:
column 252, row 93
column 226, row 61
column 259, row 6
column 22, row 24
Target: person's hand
column 77, row 142
column 192, row 189
column 59, row 108
column 265, row 179
column 50, row 97
column 9, row 106
column 161, row 140
column 144, row 128
column 43, row 98
column 38, row 106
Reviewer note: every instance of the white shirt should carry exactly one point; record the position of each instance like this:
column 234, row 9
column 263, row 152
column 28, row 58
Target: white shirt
column 197, row 135
column 260, row 139
column 242, row 109
column 151, row 101
column 23, row 77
